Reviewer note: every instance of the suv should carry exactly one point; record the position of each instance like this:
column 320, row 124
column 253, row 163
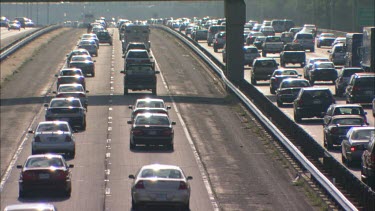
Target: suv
column 343, row 79
column 219, row 40
column 306, row 40
column 263, row 69
column 368, row 163
column 140, row 77
column 212, row 31
column 135, row 45
column 361, row 88
column 337, row 54
column 312, row 102
column 104, row 37
column 322, row 71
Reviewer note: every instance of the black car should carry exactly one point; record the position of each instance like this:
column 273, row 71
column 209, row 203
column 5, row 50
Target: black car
column 104, row 37
column 151, row 129
column 289, row 89
column 323, row 71
column 140, row 77
column 335, row 130
column 312, row 102
column 85, row 63
column 361, row 88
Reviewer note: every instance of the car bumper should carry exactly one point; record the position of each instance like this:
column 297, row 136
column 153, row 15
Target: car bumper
column 354, row 156
column 151, row 140
column 336, row 139
column 311, row 112
column 161, row 198
column 45, row 185
column 55, row 147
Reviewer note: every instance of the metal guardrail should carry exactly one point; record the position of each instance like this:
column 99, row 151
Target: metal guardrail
column 324, row 182
column 14, row 46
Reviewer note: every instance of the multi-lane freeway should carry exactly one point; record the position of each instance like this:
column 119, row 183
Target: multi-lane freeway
column 233, row 165
column 9, row 36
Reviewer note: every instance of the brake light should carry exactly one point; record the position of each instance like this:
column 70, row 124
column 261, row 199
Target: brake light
column 352, row 149
column 26, row 175
column 61, row 175
column 140, row 185
column 137, row 132
column 300, row 102
column 334, row 130
column 37, row 139
column 68, row 139
column 81, row 95
column 183, row 186
column 167, row 132
column 60, row 95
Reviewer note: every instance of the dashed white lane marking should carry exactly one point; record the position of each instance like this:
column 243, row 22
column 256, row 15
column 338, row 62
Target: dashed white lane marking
column 191, row 143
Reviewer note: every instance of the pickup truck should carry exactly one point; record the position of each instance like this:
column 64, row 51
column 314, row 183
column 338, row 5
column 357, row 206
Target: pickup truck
column 272, row 44
column 293, row 54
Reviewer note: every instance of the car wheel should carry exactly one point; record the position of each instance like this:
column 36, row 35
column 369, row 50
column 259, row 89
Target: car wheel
column 154, row 91
column 209, row 44
column 126, row 91
column 279, row 103
column 170, row 147
column 134, row 205
column 21, row 193
column 253, row 81
column 68, row 192
column 110, row 43
column 297, row 118
column 132, row 146
column 215, row 49
column 329, row 144
column 343, row 159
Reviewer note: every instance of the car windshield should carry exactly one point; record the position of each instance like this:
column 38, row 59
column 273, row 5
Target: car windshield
column 152, row 120
column 348, row 121
column 81, row 58
column 325, row 65
column 273, row 39
column 161, row 173
column 267, row 63
column 65, row 103
column 52, row 127
column 44, row 162
column 362, row 135
column 151, row 104
column 290, row 84
column 70, row 89
column 347, row 110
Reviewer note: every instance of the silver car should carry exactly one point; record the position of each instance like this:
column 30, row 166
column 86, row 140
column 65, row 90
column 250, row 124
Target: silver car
column 337, row 54
column 73, row 90
column 355, row 143
column 307, row 40
column 149, row 103
column 54, row 137
column 160, row 184
column 91, row 36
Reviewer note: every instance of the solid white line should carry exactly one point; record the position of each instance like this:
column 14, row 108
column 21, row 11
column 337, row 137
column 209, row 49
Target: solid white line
column 193, row 148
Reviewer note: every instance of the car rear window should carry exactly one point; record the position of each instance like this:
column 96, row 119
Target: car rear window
column 290, row 84
column 273, row 39
column 70, row 89
column 65, row 103
column 362, row 135
column 348, row 111
column 52, row 127
column 325, row 65
column 152, row 120
column 266, row 63
column 304, row 36
column 319, row 94
column 365, row 82
column 350, row 72
column 44, row 162
column 141, row 54
column 161, row 173
column 349, row 121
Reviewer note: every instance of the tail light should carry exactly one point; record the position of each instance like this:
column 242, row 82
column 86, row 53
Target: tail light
column 137, row 132
column 167, row 132
column 183, row 186
column 68, row 139
column 295, row 41
column 62, row 175
column 27, row 175
column 81, row 95
column 352, row 149
column 59, row 79
column 37, row 139
column 60, row 95
column 334, row 130
column 140, row 185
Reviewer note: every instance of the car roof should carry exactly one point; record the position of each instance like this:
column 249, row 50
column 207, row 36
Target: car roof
column 65, row 99
column 62, row 85
column 49, row 155
column 161, row 166
column 150, row 99
column 52, row 122
column 347, row 117
column 138, row 50
column 36, row 206
column 365, row 74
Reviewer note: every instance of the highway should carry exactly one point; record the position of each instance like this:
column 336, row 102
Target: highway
column 232, row 166
column 8, row 37
column 314, row 125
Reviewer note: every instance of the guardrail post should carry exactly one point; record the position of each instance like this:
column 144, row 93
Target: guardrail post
column 235, row 13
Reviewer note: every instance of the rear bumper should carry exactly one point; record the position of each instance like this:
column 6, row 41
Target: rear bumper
column 45, row 185
column 55, row 148
column 152, row 140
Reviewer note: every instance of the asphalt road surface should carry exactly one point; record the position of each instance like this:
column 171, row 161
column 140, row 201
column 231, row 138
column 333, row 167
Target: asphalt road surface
column 8, row 37
column 231, row 166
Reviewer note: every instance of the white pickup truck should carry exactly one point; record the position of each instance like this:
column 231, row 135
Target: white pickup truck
column 272, row 44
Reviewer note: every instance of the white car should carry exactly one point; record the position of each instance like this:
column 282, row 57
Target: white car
column 30, row 206
column 149, row 103
column 73, row 90
column 160, row 184
column 91, row 36
column 54, row 137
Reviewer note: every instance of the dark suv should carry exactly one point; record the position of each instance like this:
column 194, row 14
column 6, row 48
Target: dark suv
column 368, row 164
column 312, row 102
column 104, row 37
column 361, row 88
column 140, row 77
column 263, row 69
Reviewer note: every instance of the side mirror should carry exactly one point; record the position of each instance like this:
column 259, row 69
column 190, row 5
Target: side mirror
column 19, row 166
column 329, row 51
column 67, row 55
column 168, row 107
column 71, row 166
column 30, row 131
column 173, row 123
column 122, row 71
column 157, row 72
column 131, row 176
column 130, row 107
column 94, row 61
column 56, row 75
column 54, row 92
column 189, row 178
column 151, row 57
column 130, row 122
column 46, row 105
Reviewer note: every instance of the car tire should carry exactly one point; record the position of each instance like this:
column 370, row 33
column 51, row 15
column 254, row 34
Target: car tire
column 297, row 118
column 215, row 49
column 170, row 147
column 209, row 44
column 68, row 193
column 186, row 207
column 72, row 154
column 154, row 91
column 279, row 103
column 253, row 81
column 135, row 206
column 312, row 50
column 83, row 124
column 93, row 74
column 126, row 91
column 318, row 46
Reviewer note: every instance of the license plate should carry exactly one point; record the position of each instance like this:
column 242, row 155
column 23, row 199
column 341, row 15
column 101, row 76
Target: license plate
column 52, row 139
column 152, row 132
column 316, row 102
column 161, row 196
column 43, row 176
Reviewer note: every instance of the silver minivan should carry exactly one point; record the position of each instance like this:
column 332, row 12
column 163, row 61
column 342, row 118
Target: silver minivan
column 212, row 30
column 307, row 40
column 337, row 54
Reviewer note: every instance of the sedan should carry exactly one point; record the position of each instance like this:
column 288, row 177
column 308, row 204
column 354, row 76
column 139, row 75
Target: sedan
column 85, row 63
column 54, row 137
column 344, row 109
column 90, row 46
column 75, row 52
column 325, row 39
column 335, row 130
column 47, row 171
column 159, row 184
column 147, row 110
column 355, row 143
column 91, row 36
column 66, row 109
column 323, row 71
column 73, row 90
column 151, row 129
column 279, row 75
column 289, row 89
